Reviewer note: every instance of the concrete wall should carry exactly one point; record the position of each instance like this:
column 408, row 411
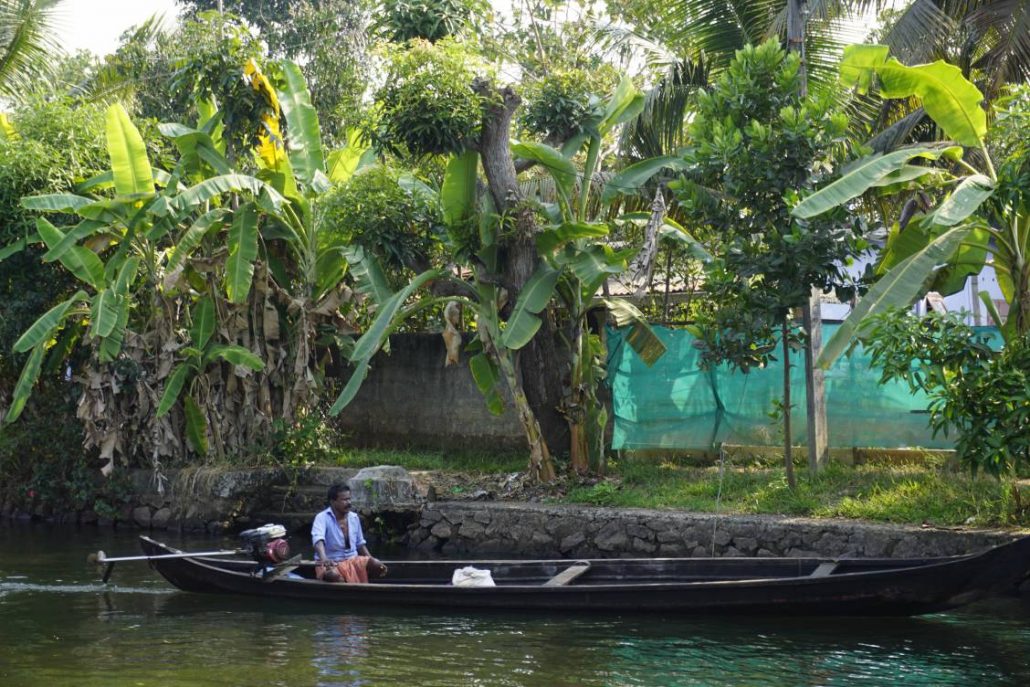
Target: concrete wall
column 409, row 399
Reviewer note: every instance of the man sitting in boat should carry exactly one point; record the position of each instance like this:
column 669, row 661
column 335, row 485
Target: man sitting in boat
column 340, row 548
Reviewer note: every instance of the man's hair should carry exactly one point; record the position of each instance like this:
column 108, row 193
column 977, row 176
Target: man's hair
column 335, row 490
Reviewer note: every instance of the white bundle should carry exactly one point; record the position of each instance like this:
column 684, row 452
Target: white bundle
column 472, row 577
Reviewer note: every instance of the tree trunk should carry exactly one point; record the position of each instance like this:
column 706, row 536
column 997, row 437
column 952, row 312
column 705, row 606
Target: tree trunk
column 788, row 458
column 815, row 386
column 537, row 364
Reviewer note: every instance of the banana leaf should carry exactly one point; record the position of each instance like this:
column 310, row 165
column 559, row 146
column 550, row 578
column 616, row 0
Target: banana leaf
column 55, row 202
column 948, row 97
column 83, row 229
column 862, row 176
column 549, row 240
column 43, row 328
column 227, row 183
column 626, row 103
column 234, row 355
column 129, row 163
column 369, row 277
column 898, row 288
column 111, row 345
column 104, row 313
column 203, row 326
column 173, row 387
column 633, row 178
column 243, row 251
column 533, row 298
column 560, row 167
column 641, row 337
column 967, row 197
column 376, row 337
column 458, row 192
column 82, row 262
column 487, row 377
column 192, row 237
column 196, row 426
column 305, row 138
column 26, row 380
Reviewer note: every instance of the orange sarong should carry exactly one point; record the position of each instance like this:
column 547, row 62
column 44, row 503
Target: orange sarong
column 352, row 570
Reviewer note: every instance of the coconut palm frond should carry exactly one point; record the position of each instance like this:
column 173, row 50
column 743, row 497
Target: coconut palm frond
column 1008, row 59
column 919, row 32
column 27, row 43
column 659, row 130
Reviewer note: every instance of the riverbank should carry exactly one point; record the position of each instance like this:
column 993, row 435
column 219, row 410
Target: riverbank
column 483, row 514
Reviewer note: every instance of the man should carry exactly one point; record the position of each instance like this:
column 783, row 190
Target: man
column 340, row 549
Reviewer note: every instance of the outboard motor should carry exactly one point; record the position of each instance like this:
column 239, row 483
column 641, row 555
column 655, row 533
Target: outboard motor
column 266, row 544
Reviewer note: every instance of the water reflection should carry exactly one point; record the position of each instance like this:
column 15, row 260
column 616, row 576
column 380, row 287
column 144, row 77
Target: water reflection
column 59, row 625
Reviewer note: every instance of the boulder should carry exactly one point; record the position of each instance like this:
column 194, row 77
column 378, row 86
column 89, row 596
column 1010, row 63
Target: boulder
column 382, row 485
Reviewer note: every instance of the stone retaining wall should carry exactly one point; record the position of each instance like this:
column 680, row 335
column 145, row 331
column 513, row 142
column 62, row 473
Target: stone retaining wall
column 395, row 510
column 525, row 529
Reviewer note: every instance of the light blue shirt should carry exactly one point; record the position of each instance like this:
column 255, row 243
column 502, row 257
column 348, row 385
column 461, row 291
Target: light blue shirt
column 325, row 528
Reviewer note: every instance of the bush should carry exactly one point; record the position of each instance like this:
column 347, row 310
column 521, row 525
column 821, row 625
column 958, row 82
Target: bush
column 427, row 106
column 430, row 20
column 373, row 209
column 559, row 105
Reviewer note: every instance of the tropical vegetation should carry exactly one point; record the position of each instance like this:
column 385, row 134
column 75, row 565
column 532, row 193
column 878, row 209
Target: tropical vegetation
column 210, row 234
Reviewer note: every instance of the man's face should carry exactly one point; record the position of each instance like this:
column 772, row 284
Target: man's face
column 341, row 504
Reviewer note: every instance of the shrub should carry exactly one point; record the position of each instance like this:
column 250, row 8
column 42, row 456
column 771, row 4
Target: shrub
column 559, row 105
column 427, row 106
column 373, row 209
column 431, row 20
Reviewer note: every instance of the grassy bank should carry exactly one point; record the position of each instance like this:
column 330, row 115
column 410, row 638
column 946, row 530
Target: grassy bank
column 914, row 493
column 899, row 494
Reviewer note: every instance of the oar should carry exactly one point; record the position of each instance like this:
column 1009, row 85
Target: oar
column 101, row 559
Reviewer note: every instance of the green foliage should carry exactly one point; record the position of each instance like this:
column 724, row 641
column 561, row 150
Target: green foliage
column 976, row 393
column 755, row 145
column 372, row 209
column 400, row 21
column 220, row 48
column 559, row 104
column 309, row 440
column 58, row 143
column 427, row 106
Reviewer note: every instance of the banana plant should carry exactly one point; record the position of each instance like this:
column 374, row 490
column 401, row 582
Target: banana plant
column 942, row 246
column 574, row 263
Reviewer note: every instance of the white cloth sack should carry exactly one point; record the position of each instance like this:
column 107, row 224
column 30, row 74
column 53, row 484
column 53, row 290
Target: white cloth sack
column 472, row 577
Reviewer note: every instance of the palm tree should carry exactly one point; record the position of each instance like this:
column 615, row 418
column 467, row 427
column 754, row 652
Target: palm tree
column 27, row 42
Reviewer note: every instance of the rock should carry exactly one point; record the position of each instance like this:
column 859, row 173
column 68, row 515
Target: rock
column 382, row 485
column 141, row 516
column 442, row 530
column 747, row 545
column 672, row 550
column 572, row 541
column 470, row 529
column 161, row 518
column 611, row 538
column 643, row 546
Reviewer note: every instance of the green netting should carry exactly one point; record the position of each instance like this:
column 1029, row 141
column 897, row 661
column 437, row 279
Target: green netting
column 676, row 405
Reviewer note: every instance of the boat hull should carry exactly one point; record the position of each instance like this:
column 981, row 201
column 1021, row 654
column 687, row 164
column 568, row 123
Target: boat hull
column 852, row 587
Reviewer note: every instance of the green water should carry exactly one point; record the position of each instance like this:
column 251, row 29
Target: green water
column 60, row 626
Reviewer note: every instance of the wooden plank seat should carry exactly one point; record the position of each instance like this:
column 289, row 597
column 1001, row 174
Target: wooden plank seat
column 824, row 569
column 284, row 568
column 568, row 574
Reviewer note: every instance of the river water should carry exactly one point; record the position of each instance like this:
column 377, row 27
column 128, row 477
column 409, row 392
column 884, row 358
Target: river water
column 60, row 626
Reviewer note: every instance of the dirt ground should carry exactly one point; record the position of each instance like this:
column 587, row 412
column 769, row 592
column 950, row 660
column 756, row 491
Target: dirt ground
column 461, row 486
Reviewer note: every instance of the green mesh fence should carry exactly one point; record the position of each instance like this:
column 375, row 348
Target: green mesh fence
column 676, row 405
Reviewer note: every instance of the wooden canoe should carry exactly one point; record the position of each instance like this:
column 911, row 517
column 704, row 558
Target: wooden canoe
column 756, row 586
